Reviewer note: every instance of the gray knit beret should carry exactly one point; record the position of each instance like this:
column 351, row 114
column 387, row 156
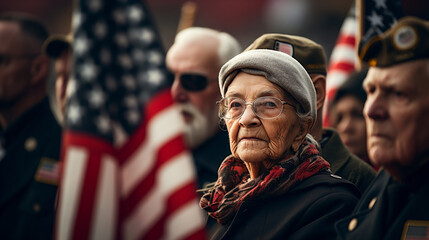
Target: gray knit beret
column 280, row 69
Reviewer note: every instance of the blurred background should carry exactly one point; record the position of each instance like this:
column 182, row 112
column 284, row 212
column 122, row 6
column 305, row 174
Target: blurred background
column 244, row 19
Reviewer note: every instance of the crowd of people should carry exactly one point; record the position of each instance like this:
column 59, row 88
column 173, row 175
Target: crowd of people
column 266, row 166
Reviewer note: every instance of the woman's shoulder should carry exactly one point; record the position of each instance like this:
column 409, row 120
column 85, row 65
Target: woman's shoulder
column 327, row 183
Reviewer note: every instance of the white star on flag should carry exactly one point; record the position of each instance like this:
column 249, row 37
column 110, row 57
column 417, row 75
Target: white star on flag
column 96, row 98
column 135, row 14
column 81, row 45
column 88, row 71
column 375, row 20
column 380, row 3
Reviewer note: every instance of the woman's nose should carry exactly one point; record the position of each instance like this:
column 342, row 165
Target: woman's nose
column 249, row 117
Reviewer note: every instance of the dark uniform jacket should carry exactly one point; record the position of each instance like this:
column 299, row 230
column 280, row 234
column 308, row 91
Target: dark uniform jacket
column 28, row 177
column 390, row 210
column 209, row 156
column 307, row 211
column 343, row 162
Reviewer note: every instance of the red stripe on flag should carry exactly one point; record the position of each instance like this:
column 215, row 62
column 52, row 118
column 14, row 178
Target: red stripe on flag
column 198, row 235
column 96, row 148
column 158, row 103
column 344, row 39
column 181, row 197
column 342, row 66
column 170, row 149
column 175, row 200
column 331, row 93
column 341, row 62
column 84, row 140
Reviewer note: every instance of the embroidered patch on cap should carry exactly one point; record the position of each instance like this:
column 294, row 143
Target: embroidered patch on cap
column 48, row 171
column 414, row 229
column 284, row 47
column 405, row 38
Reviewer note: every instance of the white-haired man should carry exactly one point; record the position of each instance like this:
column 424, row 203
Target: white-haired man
column 195, row 59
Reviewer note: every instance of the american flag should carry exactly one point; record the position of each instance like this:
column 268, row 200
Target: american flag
column 377, row 17
column 126, row 172
column 343, row 59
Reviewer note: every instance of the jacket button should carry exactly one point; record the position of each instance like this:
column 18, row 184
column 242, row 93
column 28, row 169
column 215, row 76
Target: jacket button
column 372, row 203
column 352, row 225
column 30, row 144
column 36, row 207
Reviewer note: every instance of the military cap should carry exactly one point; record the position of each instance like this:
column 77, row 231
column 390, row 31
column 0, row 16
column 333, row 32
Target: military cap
column 407, row 40
column 56, row 44
column 307, row 52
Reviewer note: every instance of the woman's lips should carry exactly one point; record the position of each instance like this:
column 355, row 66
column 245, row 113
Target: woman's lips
column 250, row 139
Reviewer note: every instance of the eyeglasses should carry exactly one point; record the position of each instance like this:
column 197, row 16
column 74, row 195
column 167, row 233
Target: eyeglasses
column 263, row 107
column 193, row 82
column 6, row 58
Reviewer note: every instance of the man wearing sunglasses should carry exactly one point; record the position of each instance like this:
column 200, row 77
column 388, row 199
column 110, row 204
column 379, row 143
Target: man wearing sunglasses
column 195, row 59
column 30, row 136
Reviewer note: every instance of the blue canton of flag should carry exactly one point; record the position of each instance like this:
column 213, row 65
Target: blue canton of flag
column 119, row 65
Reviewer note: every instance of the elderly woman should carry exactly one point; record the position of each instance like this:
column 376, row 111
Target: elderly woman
column 275, row 185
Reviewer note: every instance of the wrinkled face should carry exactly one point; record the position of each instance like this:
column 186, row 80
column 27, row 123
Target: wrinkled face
column 397, row 114
column 347, row 118
column 62, row 72
column 256, row 140
column 15, row 64
column 201, row 59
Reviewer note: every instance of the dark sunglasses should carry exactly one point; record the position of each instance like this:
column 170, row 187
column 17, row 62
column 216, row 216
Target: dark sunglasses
column 193, row 82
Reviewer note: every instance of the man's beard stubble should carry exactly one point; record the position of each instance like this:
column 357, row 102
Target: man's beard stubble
column 201, row 128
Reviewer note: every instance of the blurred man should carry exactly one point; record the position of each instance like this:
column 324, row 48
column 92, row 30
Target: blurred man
column 29, row 132
column 312, row 56
column 346, row 115
column 58, row 47
column 397, row 114
column 195, row 59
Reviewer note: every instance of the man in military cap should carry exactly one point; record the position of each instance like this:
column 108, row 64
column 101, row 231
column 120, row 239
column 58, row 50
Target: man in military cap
column 312, row 56
column 395, row 206
column 30, row 135
column 59, row 48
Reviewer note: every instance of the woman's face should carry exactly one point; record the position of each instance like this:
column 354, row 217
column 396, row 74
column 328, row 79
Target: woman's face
column 347, row 118
column 261, row 142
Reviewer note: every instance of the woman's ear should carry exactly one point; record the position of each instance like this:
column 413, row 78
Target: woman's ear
column 40, row 69
column 304, row 128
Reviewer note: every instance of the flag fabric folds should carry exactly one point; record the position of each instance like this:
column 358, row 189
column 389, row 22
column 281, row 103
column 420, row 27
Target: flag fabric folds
column 377, row 16
column 126, row 172
column 366, row 20
column 343, row 59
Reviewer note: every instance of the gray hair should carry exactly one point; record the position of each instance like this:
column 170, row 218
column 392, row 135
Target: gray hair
column 228, row 45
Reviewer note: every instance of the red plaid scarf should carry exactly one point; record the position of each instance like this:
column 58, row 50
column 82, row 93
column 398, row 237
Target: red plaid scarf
column 233, row 186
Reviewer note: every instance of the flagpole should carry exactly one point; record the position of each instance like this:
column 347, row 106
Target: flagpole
column 187, row 16
column 359, row 5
